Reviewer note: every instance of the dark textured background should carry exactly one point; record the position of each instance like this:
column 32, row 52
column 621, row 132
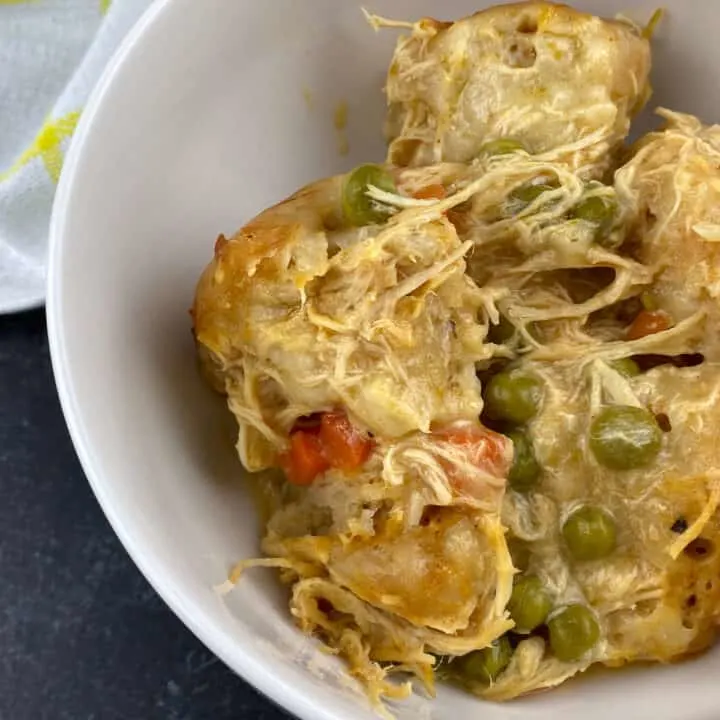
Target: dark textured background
column 82, row 634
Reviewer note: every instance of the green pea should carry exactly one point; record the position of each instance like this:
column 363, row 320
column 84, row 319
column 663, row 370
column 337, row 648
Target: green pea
column 502, row 332
column 358, row 208
column 599, row 211
column 525, row 194
column 589, row 533
column 502, row 146
column 529, row 603
column 525, row 469
column 520, row 553
column 514, row 396
column 623, row 437
column 627, row 367
column 573, row 632
column 485, row 665
column 649, row 301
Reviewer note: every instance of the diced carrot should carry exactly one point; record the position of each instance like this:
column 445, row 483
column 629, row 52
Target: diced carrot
column 648, row 322
column 486, row 449
column 344, row 446
column 305, row 460
column 431, row 192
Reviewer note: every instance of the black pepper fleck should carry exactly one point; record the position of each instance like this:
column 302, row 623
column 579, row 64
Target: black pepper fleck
column 663, row 422
column 679, row 526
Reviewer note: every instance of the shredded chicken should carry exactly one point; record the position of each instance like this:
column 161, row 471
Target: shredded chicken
column 672, row 184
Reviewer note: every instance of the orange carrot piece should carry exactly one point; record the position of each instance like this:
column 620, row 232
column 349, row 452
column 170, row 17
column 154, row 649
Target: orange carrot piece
column 344, row 446
column 431, row 192
column 305, row 460
column 648, row 322
column 485, row 448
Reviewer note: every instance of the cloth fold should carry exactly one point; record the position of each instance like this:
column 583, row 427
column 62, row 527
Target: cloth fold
column 52, row 53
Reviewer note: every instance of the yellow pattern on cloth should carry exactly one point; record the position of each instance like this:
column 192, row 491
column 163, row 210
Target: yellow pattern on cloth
column 47, row 145
column 52, row 53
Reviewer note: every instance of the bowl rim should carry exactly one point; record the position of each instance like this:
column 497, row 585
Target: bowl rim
column 248, row 664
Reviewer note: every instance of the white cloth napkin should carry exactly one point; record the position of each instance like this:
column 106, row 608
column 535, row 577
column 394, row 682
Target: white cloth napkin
column 52, row 52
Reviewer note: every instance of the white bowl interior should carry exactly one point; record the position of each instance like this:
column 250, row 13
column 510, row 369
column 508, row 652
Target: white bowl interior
column 212, row 111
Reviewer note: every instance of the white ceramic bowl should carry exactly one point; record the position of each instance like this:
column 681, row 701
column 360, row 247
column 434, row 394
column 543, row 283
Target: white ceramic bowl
column 211, row 111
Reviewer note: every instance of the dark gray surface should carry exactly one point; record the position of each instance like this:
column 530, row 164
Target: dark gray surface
column 82, row 634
